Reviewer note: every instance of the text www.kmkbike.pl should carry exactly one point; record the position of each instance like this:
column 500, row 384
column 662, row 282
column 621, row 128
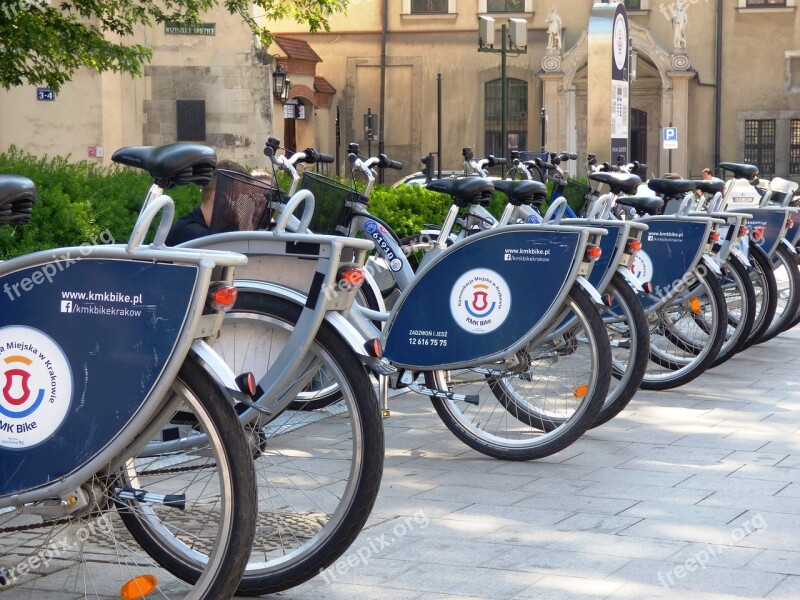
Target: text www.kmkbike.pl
column 96, row 303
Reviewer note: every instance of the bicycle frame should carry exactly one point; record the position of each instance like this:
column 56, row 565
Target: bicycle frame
column 86, row 359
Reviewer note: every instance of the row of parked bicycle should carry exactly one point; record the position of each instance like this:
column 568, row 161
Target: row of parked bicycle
column 131, row 371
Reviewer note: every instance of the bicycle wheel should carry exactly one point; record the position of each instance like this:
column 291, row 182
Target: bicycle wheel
column 787, row 278
column 740, row 300
column 766, row 289
column 540, row 400
column 318, row 472
column 628, row 333
column 796, row 319
column 189, row 539
column 686, row 334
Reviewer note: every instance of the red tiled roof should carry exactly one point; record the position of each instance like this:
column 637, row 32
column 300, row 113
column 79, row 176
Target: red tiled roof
column 296, row 48
column 321, row 85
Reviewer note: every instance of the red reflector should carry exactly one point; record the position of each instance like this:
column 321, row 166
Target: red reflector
column 757, row 232
column 634, row 245
column 223, row 297
column 351, row 277
column 373, row 347
column 789, row 224
column 743, row 230
column 647, row 287
column 608, row 299
column 593, row 252
column 713, row 236
column 247, row 383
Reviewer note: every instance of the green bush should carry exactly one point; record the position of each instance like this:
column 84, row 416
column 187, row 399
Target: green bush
column 76, row 202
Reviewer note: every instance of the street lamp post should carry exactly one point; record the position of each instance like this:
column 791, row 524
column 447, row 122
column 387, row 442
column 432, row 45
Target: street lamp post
column 517, row 36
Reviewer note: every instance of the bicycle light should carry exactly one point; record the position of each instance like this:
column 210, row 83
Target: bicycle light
column 713, row 237
column 373, row 347
column 350, row 277
column 634, row 246
column 744, row 230
column 222, row 296
column 246, row 382
column 789, row 224
column 593, row 252
column 757, row 232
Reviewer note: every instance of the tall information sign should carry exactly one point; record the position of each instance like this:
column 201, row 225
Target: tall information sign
column 609, row 88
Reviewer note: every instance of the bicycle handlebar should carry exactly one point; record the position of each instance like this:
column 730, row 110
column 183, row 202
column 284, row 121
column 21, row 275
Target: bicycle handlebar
column 387, row 163
column 312, row 156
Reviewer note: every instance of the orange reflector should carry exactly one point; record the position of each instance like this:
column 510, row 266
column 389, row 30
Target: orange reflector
column 647, row 287
column 634, row 246
column 138, row 587
column 713, row 236
column 223, row 297
column 743, row 230
column 789, row 224
column 351, row 277
column 593, row 252
column 757, row 232
column 581, row 391
column 694, row 303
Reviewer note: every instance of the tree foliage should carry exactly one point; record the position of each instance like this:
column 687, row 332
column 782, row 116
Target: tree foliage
column 43, row 42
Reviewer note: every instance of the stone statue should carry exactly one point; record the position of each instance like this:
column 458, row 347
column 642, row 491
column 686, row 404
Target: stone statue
column 554, row 31
column 679, row 24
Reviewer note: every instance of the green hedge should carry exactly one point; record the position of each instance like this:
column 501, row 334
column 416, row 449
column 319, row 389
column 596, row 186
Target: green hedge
column 77, row 202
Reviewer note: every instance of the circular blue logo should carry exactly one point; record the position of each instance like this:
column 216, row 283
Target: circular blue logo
column 370, row 226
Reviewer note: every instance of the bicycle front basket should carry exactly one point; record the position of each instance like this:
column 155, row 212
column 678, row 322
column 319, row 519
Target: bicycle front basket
column 333, row 203
column 242, row 203
column 577, row 194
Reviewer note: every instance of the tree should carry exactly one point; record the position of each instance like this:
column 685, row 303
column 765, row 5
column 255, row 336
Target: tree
column 43, row 42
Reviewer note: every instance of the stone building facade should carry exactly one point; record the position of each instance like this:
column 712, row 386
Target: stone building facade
column 739, row 59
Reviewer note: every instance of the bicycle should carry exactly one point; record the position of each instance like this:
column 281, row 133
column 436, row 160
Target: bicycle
column 686, row 302
column 84, row 477
column 287, row 325
column 622, row 313
column 465, row 388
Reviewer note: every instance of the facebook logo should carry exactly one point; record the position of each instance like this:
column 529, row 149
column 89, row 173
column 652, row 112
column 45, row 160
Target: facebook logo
column 66, row 306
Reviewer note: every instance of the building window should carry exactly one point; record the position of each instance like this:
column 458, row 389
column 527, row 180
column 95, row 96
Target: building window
column 428, row 7
column 794, row 147
column 500, row 6
column 759, row 145
column 633, row 4
column 516, row 116
column 191, row 120
column 760, row 3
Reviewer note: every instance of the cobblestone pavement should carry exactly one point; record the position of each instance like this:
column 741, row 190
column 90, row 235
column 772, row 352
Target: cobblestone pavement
column 692, row 493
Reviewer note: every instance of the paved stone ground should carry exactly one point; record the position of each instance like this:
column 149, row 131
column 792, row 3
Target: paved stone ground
column 692, row 493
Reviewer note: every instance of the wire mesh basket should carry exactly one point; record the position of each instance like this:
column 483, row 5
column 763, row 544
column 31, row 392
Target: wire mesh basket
column 333, row 203
column 576, row 193
column 242, row 203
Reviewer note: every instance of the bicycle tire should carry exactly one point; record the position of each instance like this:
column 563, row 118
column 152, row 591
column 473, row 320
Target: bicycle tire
column 291, row 452
column 628, row 367
column 679, row 366
column 740, row 300
column 472, row 425
column 113, row 541
column 796, row 319
column 766, row 289
column 788, row 303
